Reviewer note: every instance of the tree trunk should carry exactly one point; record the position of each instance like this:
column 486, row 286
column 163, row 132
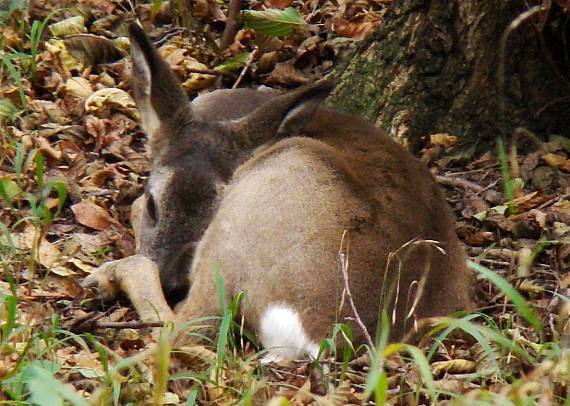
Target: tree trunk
column 433, row 67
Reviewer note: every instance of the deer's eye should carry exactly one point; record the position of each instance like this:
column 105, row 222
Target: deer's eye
column 151, row 209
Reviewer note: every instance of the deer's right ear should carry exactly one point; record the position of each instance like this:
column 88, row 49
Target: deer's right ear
column 158, row 94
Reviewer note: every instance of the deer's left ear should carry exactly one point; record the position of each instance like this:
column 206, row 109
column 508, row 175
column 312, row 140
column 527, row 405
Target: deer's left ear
column 158, row 94
column 282, row 116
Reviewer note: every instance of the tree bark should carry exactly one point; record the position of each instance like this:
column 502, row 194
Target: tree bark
column 433, row 67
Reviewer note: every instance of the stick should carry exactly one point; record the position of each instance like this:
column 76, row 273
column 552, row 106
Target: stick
column 209, row 72
column 461, row 183
column 250, row 60
column 231, row 24
column 344, row 270
column 136, row 324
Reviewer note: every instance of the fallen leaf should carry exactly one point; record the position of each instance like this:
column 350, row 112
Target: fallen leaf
column 200, row 9
column 69, row 26
column 542, row 177
column 475, row 237
column 66, row 61
column 286, row 74
column 111, row 98
column 529, row 201
column 353, row 29
column 45, row 146
column 278, row 3
column 92, row 49
column 561, row 211
column 458, row 366
column 557, row 161
column 92, row 215
column 443, row 139
column 78, row 87
column 473, row 204
column 81, row 265
column 196, row 81
column 558, row 143
column 90, row 243
column 48, row 254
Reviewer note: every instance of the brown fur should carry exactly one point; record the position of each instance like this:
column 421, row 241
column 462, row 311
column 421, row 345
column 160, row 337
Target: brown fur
column 237, row 190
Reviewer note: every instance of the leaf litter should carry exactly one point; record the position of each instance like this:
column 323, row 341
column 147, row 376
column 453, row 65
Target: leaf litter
column 74, row 106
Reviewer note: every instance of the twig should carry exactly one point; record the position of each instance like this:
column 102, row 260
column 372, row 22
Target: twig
column 553, row 201
column 495, row 306
column 516, row 23
column 472, row 171
column 461, row 183
column 231, row 24
column 550, row 104
column 250, row 60
column 167, row 35
column 137, row 324
column 493, row 262
column 209, row 72
column 47, row 295
column 343, row 257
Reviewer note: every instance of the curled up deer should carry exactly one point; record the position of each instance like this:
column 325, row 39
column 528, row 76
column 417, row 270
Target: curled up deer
column 292, row 203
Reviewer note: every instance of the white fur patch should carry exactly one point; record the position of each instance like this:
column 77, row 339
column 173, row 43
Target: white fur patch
column 160, row 179
column 282, row 335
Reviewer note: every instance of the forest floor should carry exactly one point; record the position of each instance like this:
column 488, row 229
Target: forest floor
column 72, row 160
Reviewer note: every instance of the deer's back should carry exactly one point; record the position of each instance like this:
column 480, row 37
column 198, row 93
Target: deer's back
column 278, row 228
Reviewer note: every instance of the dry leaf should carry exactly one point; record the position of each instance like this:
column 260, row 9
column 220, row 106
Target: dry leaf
column 356, row 30
column 82, row 265
column 286, row 74
column 92, row 50
column 69, row 26
column 557, row 161
column 200, row 9
column 528, row 286
column 444, row 139
column 529, row 201
column 78, row 87
column 561, row 211
column 90, row 243
column 278, row 3
column 196, row 81
column 59, row 50
column 112, row 98
column 455, row 366
column 48, row 254
column 93, row 216
column 475, row 237
column 45, row 146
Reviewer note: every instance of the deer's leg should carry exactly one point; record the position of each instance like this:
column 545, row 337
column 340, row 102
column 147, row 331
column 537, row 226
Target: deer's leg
column 136, row 217
column 200, row 312
column 137, row 276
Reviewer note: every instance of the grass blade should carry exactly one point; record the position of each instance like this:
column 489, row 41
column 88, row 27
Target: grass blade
column 509, row 291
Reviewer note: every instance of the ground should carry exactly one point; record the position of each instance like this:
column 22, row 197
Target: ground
column 72, row 160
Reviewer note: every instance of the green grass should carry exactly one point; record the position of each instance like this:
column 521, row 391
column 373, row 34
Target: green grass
column 230, row 376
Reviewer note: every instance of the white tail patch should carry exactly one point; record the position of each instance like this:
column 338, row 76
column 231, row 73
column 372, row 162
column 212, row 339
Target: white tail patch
column 282, row 335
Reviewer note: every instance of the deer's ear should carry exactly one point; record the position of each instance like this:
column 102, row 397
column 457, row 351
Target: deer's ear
column 282, row 116
column 158, row 94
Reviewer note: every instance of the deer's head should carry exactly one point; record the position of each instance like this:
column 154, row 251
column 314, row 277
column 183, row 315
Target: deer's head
column 195, row 148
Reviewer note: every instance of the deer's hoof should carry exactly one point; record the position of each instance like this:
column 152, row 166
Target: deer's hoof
column 104, row 281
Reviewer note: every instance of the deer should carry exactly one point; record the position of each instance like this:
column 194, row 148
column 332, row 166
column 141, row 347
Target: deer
column 281, row 196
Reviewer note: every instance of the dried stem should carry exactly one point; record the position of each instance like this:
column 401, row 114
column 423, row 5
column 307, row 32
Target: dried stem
column 137, row 324
column 343, row 257
column 460, row 183
column 231, row 24
column 208, row 72
column 250, row 60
